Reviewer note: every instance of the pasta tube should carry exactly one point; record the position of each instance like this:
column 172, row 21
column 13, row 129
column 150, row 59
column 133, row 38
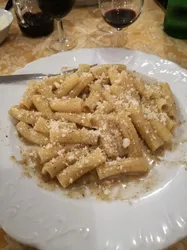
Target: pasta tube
column 123, row 166
column 81, row 119
column 85, row 80
column 24, row 115
column 94, row 97
column 48, row 152
column 43, row 126
column 30, row 135
column 55, row 166
column 27, row 97
column 128, row 130
column 170, row 124
column 81, row 167
column 83, row 68
column 81, row 136
column 145, row 130
column 162, row 131
column 98, row 70
column 74, row 105
column 42, row 106
column 113, row 74
column 107, row 140
column 44, row 89
column 67, row 85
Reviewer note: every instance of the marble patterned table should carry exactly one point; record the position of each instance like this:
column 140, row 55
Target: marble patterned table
column 146, row 34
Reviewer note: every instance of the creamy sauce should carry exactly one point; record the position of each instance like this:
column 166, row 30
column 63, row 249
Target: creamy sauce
column 89, row 185
column 111, row 189
column 108, row 190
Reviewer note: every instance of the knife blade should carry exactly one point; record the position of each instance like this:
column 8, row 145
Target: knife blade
column 24, row 77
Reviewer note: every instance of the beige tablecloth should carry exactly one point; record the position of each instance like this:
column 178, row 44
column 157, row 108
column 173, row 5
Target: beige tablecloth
column 146, row 34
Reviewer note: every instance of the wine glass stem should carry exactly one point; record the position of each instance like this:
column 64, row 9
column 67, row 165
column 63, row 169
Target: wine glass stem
column 60, row 28
column 120, row 38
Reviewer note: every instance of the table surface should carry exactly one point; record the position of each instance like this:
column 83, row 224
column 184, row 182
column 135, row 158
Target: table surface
column 146, row 34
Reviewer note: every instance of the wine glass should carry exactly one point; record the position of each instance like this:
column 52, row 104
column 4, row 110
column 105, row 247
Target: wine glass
column 120, row 13
column 59, row 9
column 103, row 27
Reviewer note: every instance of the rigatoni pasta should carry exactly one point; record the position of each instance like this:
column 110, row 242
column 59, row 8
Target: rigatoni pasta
column 123, row 166
column 49, row 152
column 70, row 105
column 81, row 167
column 144, row 128
column 55, row 166
column 70, row 136
column 128, row 130
column 27, row 97
column 67, row 85
column 84, row 81
column 95, row 121
column 84, row 120
column 30, row 135
column 27, row 116
column 45, row 90
column 42, row 105
column 42, row 125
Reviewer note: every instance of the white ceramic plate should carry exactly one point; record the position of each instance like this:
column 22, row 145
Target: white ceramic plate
column 51, row 221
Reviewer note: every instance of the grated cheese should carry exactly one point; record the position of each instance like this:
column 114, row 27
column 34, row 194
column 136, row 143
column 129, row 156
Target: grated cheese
column 126, row 143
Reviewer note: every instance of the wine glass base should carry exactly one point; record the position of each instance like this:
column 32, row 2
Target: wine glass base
column 95, row 12
column 64, row 45
column 101, row 39
column 105, row 28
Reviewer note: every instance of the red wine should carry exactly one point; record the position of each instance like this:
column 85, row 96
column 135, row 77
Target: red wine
column 36, row 25
column 56, row 8
column 119, row 18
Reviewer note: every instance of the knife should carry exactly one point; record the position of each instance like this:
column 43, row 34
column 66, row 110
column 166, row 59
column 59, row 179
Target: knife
column 24, row 77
